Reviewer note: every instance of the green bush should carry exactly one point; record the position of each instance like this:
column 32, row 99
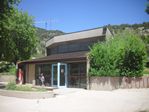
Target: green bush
column 28, row 87
column 7, row 68
column 123, row 55
column 24, row 88
column 11, row 86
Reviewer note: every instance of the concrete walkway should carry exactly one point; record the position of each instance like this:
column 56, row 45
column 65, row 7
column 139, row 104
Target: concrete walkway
column 66, row 91
column 79, row 100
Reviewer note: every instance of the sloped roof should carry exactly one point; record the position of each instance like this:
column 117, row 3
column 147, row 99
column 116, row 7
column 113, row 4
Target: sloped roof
column 96, row 32
column 60, row 57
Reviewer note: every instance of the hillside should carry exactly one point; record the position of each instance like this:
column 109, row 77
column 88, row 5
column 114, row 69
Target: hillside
column 47, row 34
column 142, row 28
column 42, row 36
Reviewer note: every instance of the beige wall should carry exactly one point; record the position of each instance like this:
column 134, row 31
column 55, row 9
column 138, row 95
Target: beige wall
column 111, row 83
column 104, row 83
column 31, row 73
column 7, row 78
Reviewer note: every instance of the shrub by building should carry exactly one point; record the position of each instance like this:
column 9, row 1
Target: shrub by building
column 123, row 55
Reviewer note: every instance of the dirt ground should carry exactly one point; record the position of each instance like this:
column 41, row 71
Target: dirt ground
column 79, row 100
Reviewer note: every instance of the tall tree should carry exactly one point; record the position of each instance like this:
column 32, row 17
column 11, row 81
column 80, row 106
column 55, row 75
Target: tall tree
column 17, row 37
column 147, row 8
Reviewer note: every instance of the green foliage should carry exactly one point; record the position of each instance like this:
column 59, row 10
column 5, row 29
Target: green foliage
column 124, row 55
column 7, row 67
column 44, row 35
column 12, row 70
column 17, row 37
column 146, row 71
column 23, row 88
column 138, row 27
column 11, row 86
column 14, row 86
column 147, row 7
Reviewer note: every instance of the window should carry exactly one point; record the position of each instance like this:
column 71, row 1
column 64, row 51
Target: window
column 63, row 48
column 77, row 75
column 46, row 70
column 74, row 46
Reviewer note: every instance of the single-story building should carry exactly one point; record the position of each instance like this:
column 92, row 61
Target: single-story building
column 66, row 63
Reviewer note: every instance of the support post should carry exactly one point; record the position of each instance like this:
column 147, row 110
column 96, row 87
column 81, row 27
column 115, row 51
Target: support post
column 58, row 74
column 87, row 72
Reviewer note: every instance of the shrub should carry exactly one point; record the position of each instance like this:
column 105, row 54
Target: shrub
column 28, row 87
column 24, row 88
column 11, row 86
column 7, row 67
column 124, row 55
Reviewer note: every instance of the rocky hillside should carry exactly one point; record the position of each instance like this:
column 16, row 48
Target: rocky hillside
column 142, row 29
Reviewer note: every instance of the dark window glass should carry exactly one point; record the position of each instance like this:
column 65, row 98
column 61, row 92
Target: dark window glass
column 63, row 48
column 46, row 70
column 77, row 75
column 73, row 46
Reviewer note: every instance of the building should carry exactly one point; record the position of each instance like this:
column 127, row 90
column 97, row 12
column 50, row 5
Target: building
column 66, row 63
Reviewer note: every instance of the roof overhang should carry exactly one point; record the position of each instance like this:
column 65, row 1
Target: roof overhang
column 76, row 36
column 74, row 56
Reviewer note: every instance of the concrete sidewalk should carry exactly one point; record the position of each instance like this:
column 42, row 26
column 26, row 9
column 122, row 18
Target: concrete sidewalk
column 66, row 91
column 79, row 100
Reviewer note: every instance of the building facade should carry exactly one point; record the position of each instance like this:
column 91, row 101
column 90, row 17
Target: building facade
column 66, row 63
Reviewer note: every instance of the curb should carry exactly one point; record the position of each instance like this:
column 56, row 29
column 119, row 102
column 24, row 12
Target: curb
column 26, row 94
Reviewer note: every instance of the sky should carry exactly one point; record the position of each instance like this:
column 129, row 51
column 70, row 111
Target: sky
column 76, row 15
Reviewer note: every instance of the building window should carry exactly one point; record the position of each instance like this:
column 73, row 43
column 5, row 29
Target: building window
column 46, row 70
column 77, row 75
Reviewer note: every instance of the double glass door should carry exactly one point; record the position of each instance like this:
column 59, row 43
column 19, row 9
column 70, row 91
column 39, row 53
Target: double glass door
column 59, row 75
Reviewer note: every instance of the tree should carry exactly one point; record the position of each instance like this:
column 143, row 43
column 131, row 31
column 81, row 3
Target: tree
column 147, row 8
column 17, row 38
column 124, row 55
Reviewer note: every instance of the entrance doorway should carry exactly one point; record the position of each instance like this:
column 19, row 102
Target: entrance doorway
column 59, row 75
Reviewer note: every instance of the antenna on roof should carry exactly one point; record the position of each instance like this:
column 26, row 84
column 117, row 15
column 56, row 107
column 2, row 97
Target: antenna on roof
column 46, row 22
column 46, row 27
column 50, row 21
column 43, row 22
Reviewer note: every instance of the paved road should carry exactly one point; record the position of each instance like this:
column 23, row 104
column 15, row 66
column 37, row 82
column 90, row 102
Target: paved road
column 78, row 100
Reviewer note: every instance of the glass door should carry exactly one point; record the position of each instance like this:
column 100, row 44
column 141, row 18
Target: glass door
column 54, row 75
column 59, row 75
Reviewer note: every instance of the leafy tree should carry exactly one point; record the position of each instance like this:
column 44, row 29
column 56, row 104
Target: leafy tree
column 17, row 38
column 147, row 8
column 124, row 55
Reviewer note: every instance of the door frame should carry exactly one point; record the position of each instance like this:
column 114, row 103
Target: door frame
column 58, row 75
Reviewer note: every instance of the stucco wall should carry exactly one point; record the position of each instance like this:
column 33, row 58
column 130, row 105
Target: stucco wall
column 103, row 83
column 111, row 83
column 31, row 73
column 7, row 78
